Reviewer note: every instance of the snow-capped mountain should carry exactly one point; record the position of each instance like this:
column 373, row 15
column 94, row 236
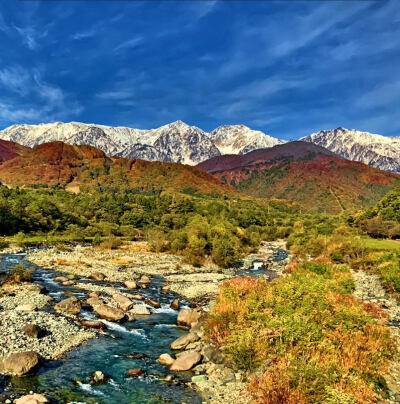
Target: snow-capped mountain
column 375, row 150
column 175, row 142
column 239, row 139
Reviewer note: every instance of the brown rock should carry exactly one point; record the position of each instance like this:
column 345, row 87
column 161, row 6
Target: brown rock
column 94, row 294
column 135, row 372
column 166, row 359
column 186, row 361
column 187, row 317
column 60, row 279
column 71, row 305
column 32, row 399
column 144, row 279
column 152, row 303
column 97, row 276
column 137, row 297
column 94, row 301
column 93, row 324
column 98, row 377
column 140, row 310
column 183, row 341
column 109, row 313
column 130, row 285
column 124, row 302
column 68, row 283
column 175, row 304
column 33, row 331
column 21, row 363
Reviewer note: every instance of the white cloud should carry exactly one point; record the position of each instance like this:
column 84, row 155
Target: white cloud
column 84, row 34
column 131, row 43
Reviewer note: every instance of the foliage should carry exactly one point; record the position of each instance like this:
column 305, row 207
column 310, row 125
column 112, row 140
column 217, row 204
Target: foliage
column 20, row 274
column 314, row 340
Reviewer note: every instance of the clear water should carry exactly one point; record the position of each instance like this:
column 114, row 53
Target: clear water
column 67, row 379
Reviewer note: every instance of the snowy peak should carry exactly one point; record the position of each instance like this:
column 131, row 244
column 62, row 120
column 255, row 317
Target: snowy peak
column 239, row 139
column 174, row 142
column 375, row 150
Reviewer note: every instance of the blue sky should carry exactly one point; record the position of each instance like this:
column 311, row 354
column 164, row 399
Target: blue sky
column 288, row 68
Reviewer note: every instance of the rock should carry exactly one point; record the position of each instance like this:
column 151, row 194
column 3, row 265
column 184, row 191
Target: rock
column 213, row 354
column 33, row 331
column 97, row 276
column 166, row 359
column 32, row 399
column 199, row 379
column 198, row 329
column 68, row 283
column 71, row 305
column 184, row 340
column 60, row 279
column 93, row 294
column 135, row 372
column 135, row 355
column 94, row 301
column 186, row 361
column 144, row 279
column 26, row 307
column 130, row 285
column 143, row 286
column 152, row 303
column 175, row 304
column 98, row 377
column 21, row 363
column 109, row 313
column 124, row 302
column 187, row 317
column 137, row 297
column 130, row 317
column 140, row 310
column 93, row 324
column 71, row 277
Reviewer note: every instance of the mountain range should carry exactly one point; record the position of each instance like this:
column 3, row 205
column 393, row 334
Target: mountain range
column 182, row 143
column 314, row 177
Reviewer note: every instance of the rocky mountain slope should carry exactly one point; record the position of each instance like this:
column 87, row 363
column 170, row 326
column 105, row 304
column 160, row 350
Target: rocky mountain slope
column 85, row 168
column 316, row 178
column 9, row 150
column 175, row 142
column 375, row 150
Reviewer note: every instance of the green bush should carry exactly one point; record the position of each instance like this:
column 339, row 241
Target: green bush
column 21, row 274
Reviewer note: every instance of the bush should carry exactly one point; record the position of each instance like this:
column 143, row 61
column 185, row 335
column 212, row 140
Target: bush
column 111, row 243
column 21, row 274
column 3, row 243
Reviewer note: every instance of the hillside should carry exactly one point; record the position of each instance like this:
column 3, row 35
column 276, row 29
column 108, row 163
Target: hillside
column 375, row 150
column 85, row 168
column 10, row 150
column 316, row 178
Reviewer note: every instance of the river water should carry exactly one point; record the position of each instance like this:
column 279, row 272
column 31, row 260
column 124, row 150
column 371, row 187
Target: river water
column 67, row 379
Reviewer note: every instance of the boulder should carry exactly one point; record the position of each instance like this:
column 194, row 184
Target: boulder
column 21, row 363
column 98, row 377
column 137, row 297
column 175, row 304
column 97, row 276
column 140, row 310
column 33, row 331
column 26, row 307
column 183, row 341
column 32, row 399
column 187, row 317
column 186, row 361
column 166, row 359
column 60, row 279
column 124, row 302
column 94, row 301
column 93, row 324
column 144, row 279
column 71, row 305
column 109, row 313
column 135, row 372
column 130, row 285
column 152, row 303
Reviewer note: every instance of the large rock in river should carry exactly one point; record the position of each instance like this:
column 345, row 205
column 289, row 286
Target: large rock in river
column 21, row 363
column 109, row 313
column 140, row 310
column 183, row 341
column 32, row 399
column 71, row 305
column 130, row 285
column 187, row 317
column 186, row 361
column 124, row 302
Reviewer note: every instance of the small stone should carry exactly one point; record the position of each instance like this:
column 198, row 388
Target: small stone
column 97, row 276
column 135, row 355
column 144, row 279
column 68, row 283
column 199, row 379
column 93, row 294
column 93, row 324
column 26, row 307
column 135, row 372
column 33, row 331
column 166, row 359
column 130, row 285
column 175, row 304
column 137, row 297
column 60, row 279
column 98, row 377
